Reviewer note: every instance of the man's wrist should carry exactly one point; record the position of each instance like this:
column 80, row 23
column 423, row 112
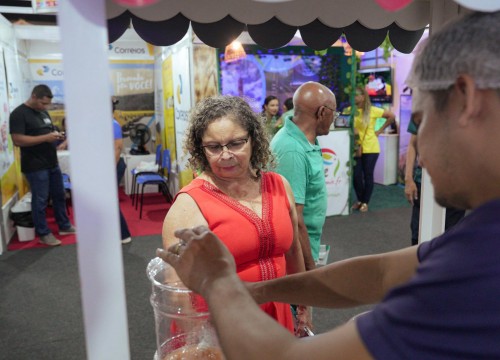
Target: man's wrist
column 225, row 286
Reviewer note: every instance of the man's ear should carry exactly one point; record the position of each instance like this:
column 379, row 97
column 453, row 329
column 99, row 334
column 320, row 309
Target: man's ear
column 471, row 100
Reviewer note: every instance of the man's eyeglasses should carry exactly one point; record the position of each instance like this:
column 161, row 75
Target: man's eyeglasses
column 232, row 146
column 336, row 114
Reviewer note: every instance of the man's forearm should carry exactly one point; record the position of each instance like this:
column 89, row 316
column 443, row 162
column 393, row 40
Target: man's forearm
column 229, row 301
column 347, row 283
column 28, row 140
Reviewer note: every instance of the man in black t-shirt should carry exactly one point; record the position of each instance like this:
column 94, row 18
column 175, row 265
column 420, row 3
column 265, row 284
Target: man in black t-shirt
column 32, row 130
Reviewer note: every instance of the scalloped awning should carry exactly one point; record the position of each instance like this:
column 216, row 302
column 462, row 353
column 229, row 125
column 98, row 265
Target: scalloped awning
column 273, row 24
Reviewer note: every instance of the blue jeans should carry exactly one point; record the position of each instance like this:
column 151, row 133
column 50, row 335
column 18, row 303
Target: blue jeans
column 45, row 183
column 363, row 176
column 120, row 171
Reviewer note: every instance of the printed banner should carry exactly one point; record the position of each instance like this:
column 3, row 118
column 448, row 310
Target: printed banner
column 6, row 149
column 168, row 106
column 50, row 73
column 335, row 148
column 132, row 83
column 205, row 72
column 44, row 6
column 182, row 107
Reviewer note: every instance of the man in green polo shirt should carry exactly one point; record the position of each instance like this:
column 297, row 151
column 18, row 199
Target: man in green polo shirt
column 300, row 161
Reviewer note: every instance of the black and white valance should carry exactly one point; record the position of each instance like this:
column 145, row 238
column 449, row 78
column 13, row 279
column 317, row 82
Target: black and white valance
column 273, row 25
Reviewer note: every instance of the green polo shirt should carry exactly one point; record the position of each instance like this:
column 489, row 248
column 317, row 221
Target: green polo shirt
column 301, row 163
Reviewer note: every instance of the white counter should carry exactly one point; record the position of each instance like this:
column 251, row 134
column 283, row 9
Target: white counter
column 336, row 147
column 64, row 158
column 386, row 169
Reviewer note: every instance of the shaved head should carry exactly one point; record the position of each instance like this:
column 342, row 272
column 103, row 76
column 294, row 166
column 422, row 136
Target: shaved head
column 314, row 105
column 310, row 96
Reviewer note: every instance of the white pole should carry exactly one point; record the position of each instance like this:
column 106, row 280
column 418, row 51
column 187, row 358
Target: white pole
column 432, row 216
column 93, row 175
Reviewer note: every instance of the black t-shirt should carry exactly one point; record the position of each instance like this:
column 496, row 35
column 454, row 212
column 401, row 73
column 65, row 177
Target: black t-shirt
column 27, row 121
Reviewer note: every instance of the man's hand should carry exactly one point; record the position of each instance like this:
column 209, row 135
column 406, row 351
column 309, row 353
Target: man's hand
column 199, row 259
column 411, row 192
column 54, row 136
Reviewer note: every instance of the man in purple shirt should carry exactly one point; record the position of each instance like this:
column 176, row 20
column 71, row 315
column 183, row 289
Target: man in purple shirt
column 439, row 300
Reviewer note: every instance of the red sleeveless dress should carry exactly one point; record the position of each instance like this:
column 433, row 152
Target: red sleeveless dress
column 258, row 245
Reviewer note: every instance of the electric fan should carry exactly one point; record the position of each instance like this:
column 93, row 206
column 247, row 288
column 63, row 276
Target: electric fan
column 140, row 135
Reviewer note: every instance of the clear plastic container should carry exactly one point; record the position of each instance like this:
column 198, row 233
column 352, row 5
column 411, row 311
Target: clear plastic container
column 183, row 328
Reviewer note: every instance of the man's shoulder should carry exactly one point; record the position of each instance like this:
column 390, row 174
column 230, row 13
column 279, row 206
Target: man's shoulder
column 21, row 109
column 283, row 142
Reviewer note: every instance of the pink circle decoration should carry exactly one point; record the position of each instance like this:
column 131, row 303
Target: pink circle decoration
column 393, row 5
column 135, row 3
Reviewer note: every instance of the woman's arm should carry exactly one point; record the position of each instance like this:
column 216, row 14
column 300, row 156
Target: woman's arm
column 294, row 256
column 411, row 191
column 389, row 119
column 183, row 213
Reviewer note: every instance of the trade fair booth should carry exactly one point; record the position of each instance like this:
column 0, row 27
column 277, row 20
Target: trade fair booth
column 84, row 48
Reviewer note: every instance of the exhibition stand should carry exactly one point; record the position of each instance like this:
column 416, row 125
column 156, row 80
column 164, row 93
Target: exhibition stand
column 386, row 169
column 336, row 148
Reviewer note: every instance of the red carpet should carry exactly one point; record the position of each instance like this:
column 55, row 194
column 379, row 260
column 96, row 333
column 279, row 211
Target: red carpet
column 153, row 212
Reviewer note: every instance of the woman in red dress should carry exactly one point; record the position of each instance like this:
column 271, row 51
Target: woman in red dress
column 251, row 209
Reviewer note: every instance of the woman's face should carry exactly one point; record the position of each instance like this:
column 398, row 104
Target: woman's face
column 229, row 164
column 272, row 107
column 359, row 99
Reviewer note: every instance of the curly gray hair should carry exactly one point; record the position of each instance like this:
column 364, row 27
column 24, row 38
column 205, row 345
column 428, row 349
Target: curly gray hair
column 235, row 108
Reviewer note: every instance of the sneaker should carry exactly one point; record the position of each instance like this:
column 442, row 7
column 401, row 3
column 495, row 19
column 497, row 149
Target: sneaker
column 69, row 231
column 126, row 240
column 49, row 240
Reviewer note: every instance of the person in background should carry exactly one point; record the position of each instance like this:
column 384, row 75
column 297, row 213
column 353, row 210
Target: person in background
column 270, row 110
column 300, row 161
column 120, row 171
column 437, row 300
column 364, row 125
column 63, row 144
column 32, row 130
column 251, row 209
column 413, row 184
column 287, row 112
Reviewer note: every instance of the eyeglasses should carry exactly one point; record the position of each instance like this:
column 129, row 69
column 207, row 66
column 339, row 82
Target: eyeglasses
column 336, row 114
column 232, row 146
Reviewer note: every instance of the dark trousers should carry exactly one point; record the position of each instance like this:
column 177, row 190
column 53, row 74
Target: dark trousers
column 44, row 184
column 363, row 176
column 120, row 171
column 453, row 216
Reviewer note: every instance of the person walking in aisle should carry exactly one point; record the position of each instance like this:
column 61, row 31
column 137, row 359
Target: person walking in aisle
column 300, row 161
column 250, row 208
column 32, row 130
column 120, row 171
column 368, row 145
column 413, row 184
column 270, row 110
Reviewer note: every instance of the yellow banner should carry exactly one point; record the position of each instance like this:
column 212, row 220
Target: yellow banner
column 168, row 107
